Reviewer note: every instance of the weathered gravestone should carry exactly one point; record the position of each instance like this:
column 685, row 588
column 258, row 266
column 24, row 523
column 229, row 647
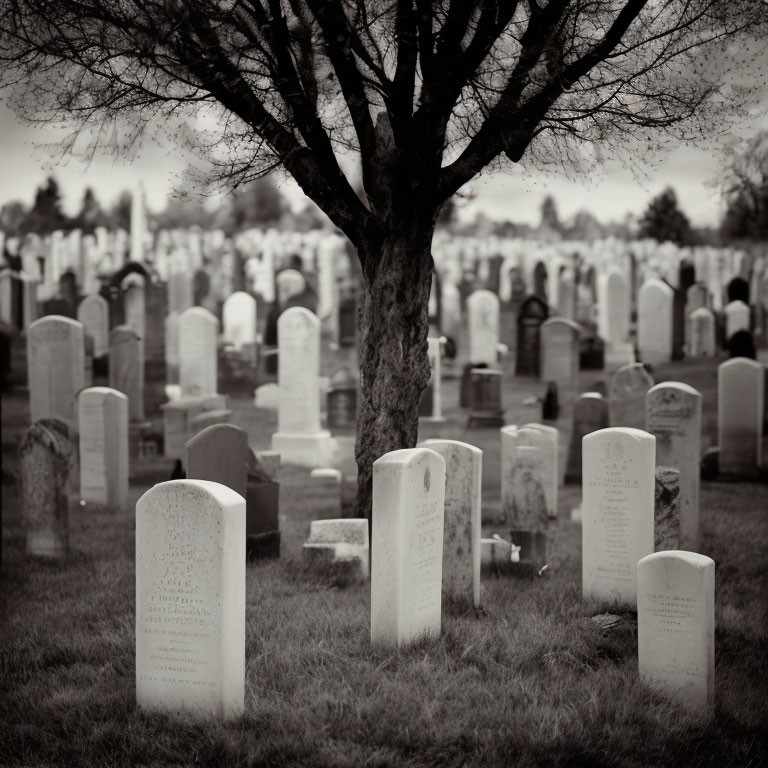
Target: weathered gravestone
column 198, row 330
column 655, row 322
column 190, row 599
column 461, row 531
column 590, row 413
column 483, row 327
column 613, row 311
column 47, row 458
column 667, row 509
column 126, row 368
column 528, row 509
column 103, row 417
column 93, row 313
column 702, row 339
column 676, row 627
column 532, row 315
column 239, row 320
column 219, row 453
column 540, row 436
column 740, row 404
column 290, row 283
column 299, row 438
column 617, row 512
column 407, row 573
column 341, row 544
column 560, row 348
column 325, row 484
column 56, row 368
column 627, row 391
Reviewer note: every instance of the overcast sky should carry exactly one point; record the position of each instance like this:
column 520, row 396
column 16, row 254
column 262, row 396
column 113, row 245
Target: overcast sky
column 30, row 152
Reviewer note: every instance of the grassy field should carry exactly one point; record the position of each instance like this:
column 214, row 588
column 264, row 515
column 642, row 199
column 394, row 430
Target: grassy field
column 527, row 680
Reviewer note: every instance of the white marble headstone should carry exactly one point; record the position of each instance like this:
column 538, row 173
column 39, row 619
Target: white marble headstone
column 198, row 331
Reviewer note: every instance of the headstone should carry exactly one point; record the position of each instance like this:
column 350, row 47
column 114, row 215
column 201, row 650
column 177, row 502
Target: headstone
column 325, row 490
column 742, row 344
column 56, row 368
column 93, row 313
column 483, row 327
column 190, row 599
column 676, row 627
column 613, row 311
column 702, row 337
column 485, row 397
column 47, row 458
column 406, row 578
column 667, row 509
column 219, row 453
column 239, row 320
column 126, row 368
column 737, row 318
column 290, row 283
column 341, row 400
column 103, row 416
column 533, row 313
column 740, row 404
column 340, row 541
column 590, row 414
column 461, row 531
column 198, row 330
column 673, row 416
column 617, row 512
column 738, row 290
column 299, row 438
column 560, row 352
column 627, row 390
column 655, row 322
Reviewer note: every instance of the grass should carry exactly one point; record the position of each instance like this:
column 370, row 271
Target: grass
column 527, row 680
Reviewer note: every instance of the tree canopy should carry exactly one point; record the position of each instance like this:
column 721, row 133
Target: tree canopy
column 664, row 221
column 745, row 188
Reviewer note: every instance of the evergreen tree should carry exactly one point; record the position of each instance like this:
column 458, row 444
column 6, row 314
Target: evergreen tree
column 663, row 220
column 91, row 214
column 46, row 215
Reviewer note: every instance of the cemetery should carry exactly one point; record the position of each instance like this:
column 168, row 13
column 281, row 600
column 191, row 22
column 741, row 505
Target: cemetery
column 326, row 441
column 186, row 551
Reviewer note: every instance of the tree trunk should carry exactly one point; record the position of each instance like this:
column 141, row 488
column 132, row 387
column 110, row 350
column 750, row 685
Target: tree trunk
column 394, row 367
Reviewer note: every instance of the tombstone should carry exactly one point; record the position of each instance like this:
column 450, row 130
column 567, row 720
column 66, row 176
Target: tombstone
column 740, row 404
column 702, row 338
column 673, row 416
column 93, row 313
column 738, row 290
column 666, row 509
column 126, row 368
column 219, row 453
column 627, row 390
column 68, row 293
column 591, row 354
column 613, row 312
column 655, row 322
column 133, row 287
column 179, row 289
column 239, row 320
column 198, row 331
column 617, row 512
column 103, row 420
column 171, row 328
column 483, row 327
column 696, row 297
column 540, row 281
column 47, row 458
column 485, row 406
column 737, row 318
column 190, row 599
column 406, row 578
column 340, row 542
column 590, row 414
column 532, row 315
column 560, row 352
column 56, row 369
column 290, row 283
column 299, row 438
column 676, row 627
column 341, row 400
column 742, row 344
column 461, row 527
column 262, row 506
column 179, row 417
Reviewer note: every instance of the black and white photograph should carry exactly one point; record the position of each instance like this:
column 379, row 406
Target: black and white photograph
column 384, row 383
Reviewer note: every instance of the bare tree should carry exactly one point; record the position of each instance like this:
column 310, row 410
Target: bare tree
column 424, row 94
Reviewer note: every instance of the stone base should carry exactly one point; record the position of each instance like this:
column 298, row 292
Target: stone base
column 305, row 450
column 263, row 546
column 486, row 419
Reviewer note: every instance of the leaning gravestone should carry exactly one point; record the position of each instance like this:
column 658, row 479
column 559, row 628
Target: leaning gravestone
column 673, row 416
column 47, row 457
column 198, row 330
column 617, row 512
column 126, row 368
column 407, row 573
column 103, row 415
column 740, row 404
column 190, row 599
column 676, row 626
column 627, row 391
column 461, row 531
column 590, row 413
column 219, row 453
column 56, row 368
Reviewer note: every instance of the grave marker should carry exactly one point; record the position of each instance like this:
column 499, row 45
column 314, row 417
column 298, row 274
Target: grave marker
column 198, row 330
column 126, row 368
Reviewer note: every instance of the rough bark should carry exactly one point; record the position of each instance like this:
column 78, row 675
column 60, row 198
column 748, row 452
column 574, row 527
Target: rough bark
column 394, row 367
